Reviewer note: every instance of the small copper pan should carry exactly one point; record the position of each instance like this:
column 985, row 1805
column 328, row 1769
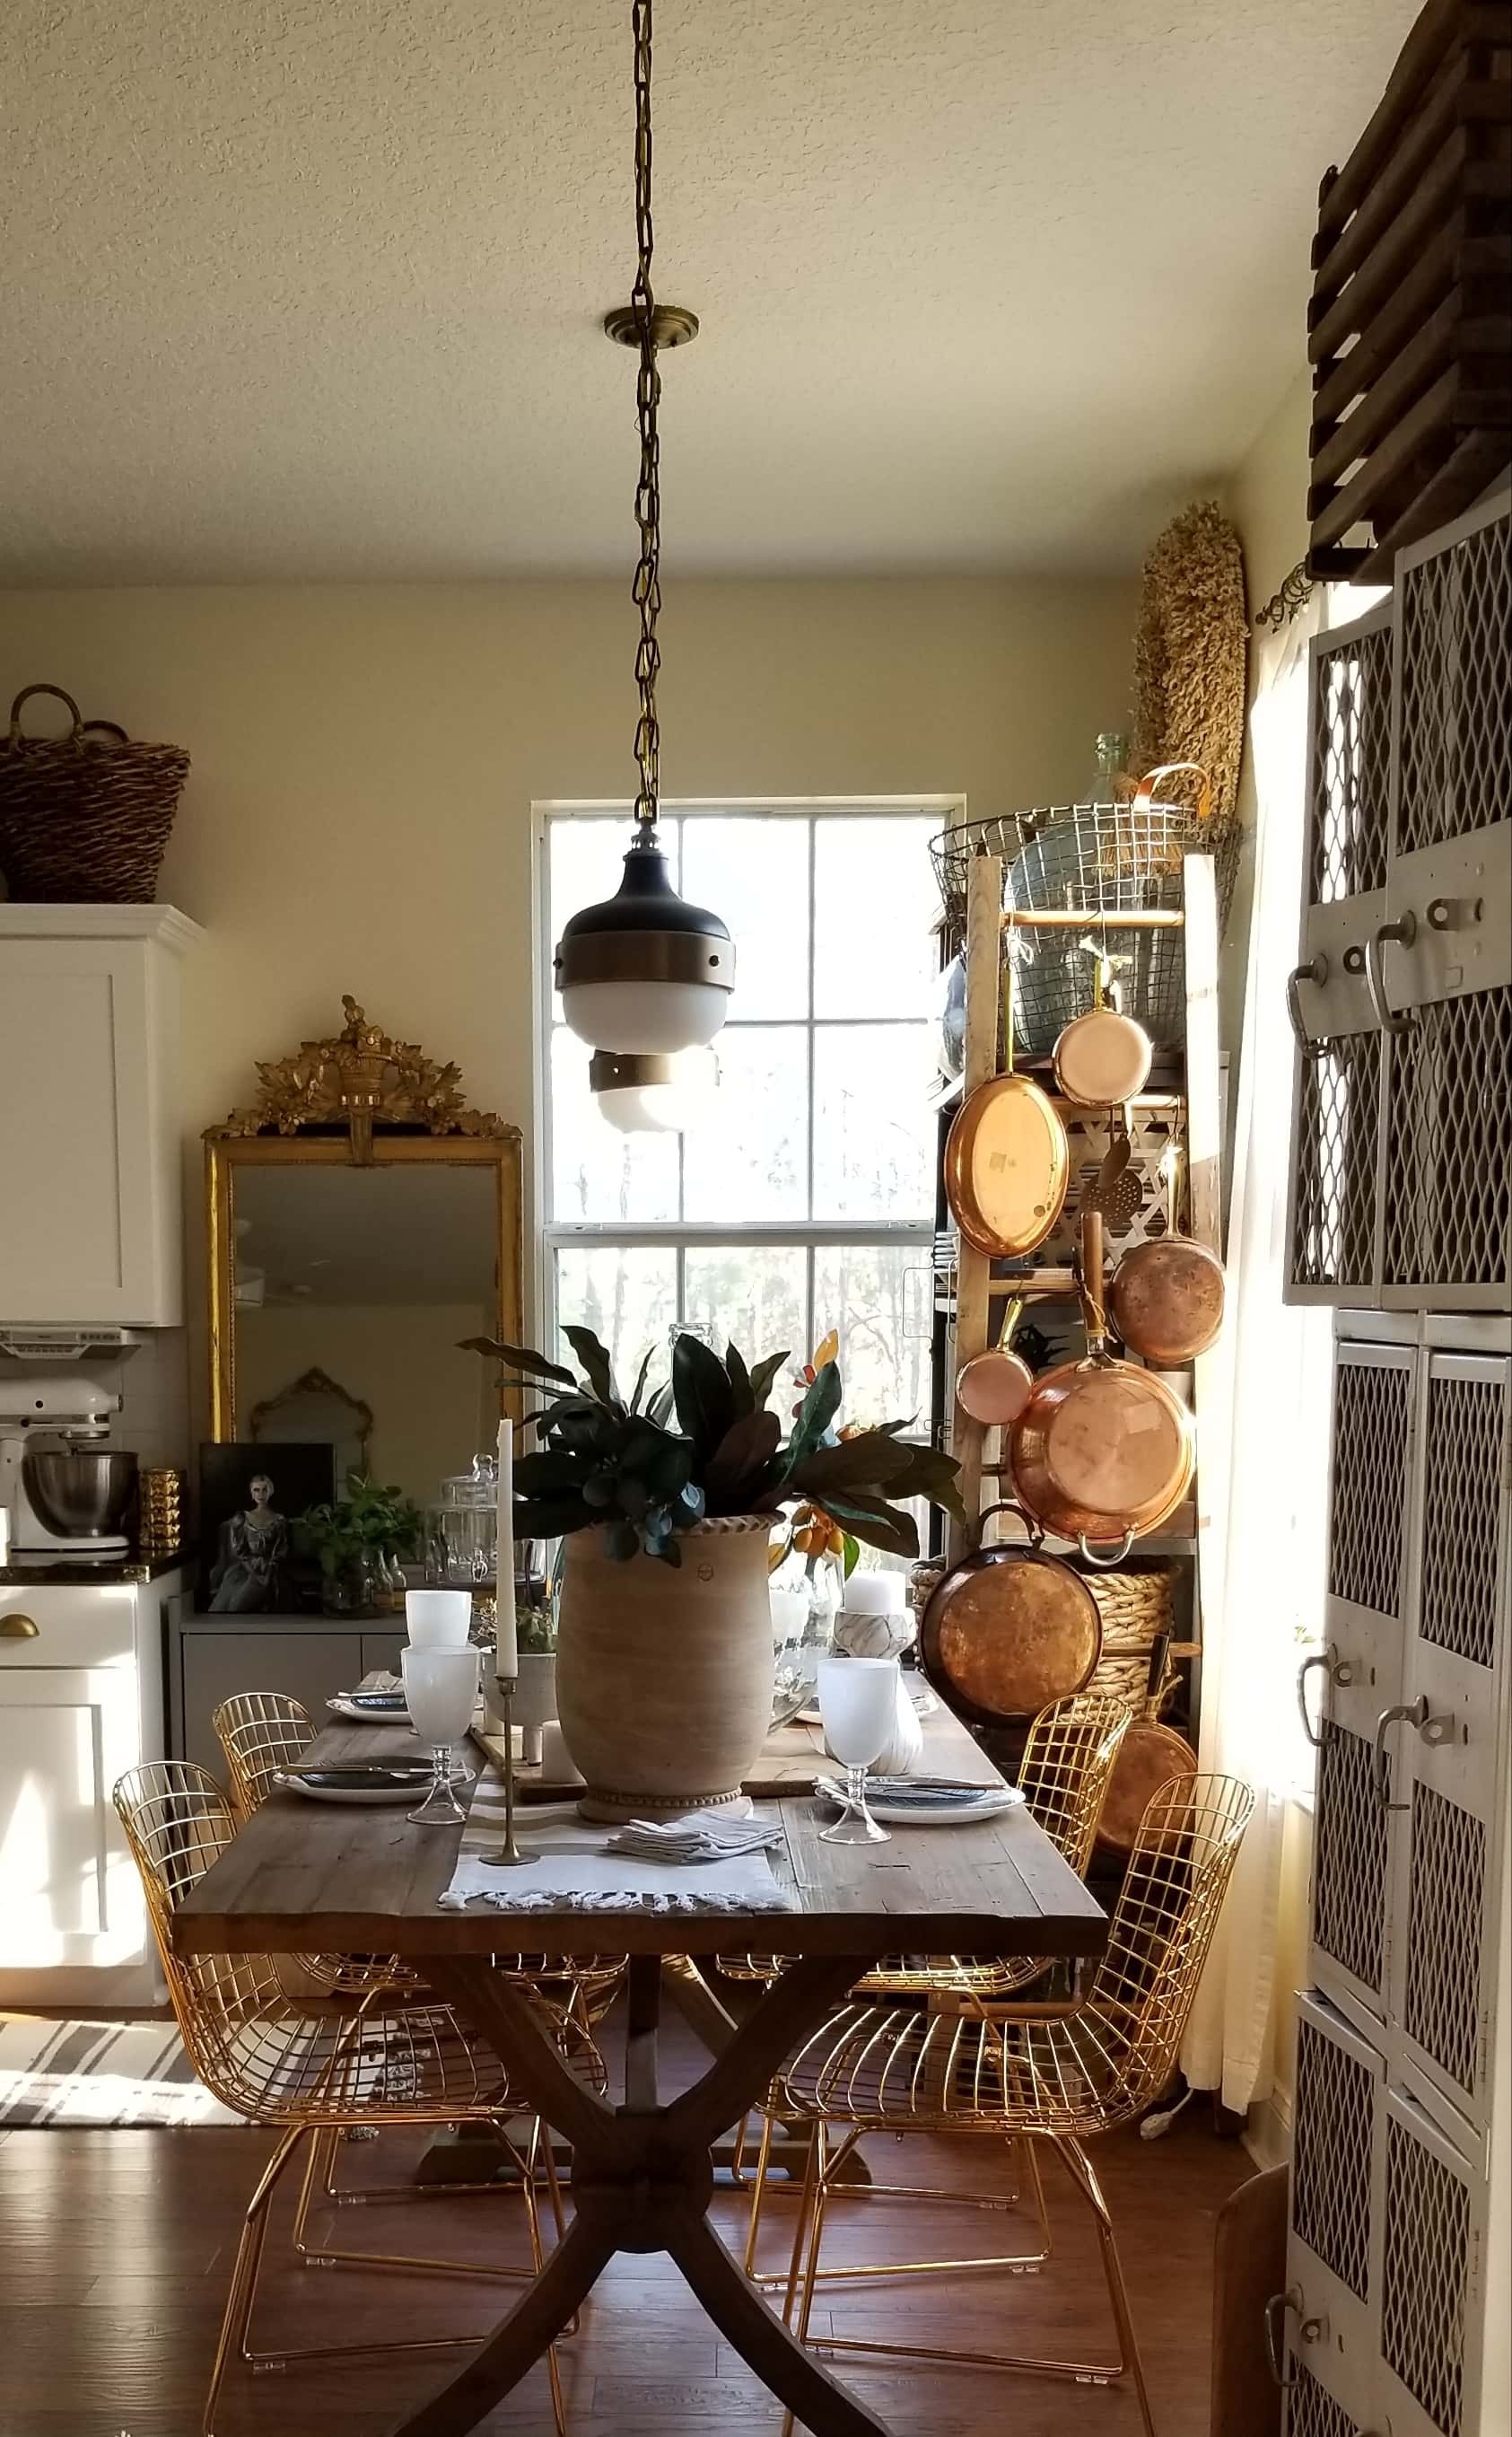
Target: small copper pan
column 1166, row 1300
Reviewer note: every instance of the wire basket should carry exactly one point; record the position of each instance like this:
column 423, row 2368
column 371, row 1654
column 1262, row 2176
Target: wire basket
column 1104, row 859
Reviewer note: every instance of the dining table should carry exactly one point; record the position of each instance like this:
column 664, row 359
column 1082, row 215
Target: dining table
column 301, row 1877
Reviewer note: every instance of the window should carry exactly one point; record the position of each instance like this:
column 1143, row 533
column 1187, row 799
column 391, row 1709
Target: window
column 806, row 1200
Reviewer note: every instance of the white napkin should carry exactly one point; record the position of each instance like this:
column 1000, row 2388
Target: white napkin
column 695, row 1836
column 579, row 1867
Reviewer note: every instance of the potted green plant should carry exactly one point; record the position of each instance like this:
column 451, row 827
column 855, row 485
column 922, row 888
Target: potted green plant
column 357, row 1540
column 664, row 1501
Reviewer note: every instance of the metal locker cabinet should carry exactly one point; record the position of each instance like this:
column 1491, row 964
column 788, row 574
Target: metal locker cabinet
column 1439, row 967
column 1430, row 2232
column 1331, row 1224
column 1360, row 1670
column 1330, row 2301
column 1450, row 1725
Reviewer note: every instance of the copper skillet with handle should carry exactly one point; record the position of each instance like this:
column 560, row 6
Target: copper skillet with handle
column 1105, row 1451
column 1009, row 1630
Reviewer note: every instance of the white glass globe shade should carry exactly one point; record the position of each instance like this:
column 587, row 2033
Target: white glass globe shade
column 656, row 1018
column 672, row 1108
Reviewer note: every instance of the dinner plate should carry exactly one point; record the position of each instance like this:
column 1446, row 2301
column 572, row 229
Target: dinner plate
column 371, row 1708
column 400, row 1781
column 927, row 1809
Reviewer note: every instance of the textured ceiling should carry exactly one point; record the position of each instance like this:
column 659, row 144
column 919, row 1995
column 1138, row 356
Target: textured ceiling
column 312, row 287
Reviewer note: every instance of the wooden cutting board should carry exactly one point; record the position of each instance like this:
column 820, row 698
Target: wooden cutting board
column 788, row 1763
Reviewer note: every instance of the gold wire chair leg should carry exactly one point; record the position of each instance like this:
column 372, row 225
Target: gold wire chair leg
column 1017, row 2262
column 559, row 2217
column 758, row 2188
column 323, row 2153
column 242, row 2292
column 1079, row 2167
column 809, row 2200
column 533, row 2213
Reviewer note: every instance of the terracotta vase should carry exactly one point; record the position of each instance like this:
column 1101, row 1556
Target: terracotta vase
column 664, row 1675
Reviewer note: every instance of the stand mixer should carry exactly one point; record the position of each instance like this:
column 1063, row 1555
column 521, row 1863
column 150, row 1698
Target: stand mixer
column 67, row 1492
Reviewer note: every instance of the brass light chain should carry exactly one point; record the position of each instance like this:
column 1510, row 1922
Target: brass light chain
column 647, row 591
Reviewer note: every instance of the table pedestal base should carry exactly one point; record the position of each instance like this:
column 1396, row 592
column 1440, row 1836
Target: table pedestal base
column 643, row 2181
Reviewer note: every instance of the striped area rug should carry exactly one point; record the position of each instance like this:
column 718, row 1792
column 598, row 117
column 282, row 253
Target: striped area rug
column 100, row 2073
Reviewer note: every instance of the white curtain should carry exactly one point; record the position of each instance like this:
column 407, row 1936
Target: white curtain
column 1264, row 1425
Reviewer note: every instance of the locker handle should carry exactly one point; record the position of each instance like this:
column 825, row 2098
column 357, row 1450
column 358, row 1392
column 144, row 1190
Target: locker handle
column 1339, row 1670
column 1405, row 932
column 1309, row 2331
column 1316, row 970
column 1414, row 1714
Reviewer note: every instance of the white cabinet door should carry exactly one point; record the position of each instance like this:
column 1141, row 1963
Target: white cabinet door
column 90, row 1201
column 69, row 1893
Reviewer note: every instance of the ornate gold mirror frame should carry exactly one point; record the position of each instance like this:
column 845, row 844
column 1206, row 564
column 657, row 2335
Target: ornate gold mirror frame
column 359, row 1099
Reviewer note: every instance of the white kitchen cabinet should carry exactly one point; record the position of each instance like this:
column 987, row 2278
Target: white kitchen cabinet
column 80, row 1702
column 91, row 1200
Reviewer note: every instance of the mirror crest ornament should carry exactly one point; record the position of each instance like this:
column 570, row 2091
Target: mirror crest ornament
column 361, row 1078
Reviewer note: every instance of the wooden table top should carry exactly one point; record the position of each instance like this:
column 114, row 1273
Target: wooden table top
column 306, row 1877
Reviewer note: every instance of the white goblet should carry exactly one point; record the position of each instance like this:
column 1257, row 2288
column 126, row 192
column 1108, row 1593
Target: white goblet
column 440, row 1690
column 858, row 1703
column 438, row 1620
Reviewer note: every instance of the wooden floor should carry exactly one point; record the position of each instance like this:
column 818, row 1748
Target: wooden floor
column 115, row 2247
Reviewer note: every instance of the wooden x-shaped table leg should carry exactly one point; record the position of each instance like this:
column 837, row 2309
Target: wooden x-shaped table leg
column 642, row 2179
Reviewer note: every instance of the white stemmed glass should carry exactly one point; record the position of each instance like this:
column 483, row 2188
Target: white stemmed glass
column 858, row 1703
column 438, row 1620
column 441, row 1690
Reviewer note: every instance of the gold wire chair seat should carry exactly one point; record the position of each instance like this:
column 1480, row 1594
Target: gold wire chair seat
column 970, row 2066
column 314, row 2066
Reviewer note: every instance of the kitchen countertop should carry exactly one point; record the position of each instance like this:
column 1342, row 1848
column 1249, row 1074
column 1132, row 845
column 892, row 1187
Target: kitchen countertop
column 35, row 1566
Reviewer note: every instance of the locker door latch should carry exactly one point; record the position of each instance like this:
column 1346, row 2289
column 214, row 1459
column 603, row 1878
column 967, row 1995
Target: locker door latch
column 1414, row 1714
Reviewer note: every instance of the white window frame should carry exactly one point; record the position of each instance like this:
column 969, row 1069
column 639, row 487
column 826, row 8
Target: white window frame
column 684, row 1235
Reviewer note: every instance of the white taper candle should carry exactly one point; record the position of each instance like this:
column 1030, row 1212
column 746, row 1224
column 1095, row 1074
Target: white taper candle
column 507, row 1653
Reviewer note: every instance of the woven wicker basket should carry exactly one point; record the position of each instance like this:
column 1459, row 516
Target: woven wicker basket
column 1136, row 1605
column 84, row 818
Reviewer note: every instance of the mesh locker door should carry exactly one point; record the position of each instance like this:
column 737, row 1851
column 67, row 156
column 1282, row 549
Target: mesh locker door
column 1369, row 1505
column 1450, row 1848
column 1331, row 2250
column 1429, row 2233
column 1443, row 957
column 1337, row 1103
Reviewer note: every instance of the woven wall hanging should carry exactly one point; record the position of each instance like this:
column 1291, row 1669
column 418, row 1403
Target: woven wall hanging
column 1191, row 659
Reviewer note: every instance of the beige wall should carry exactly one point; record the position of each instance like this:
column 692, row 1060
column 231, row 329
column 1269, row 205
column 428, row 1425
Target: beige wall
column 1266, row 496
column 364, row 761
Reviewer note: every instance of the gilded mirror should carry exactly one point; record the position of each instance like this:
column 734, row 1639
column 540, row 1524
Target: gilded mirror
column 362, row 1220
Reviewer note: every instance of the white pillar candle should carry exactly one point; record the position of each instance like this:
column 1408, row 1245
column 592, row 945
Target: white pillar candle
column 873, row 1594
column 507, row 1653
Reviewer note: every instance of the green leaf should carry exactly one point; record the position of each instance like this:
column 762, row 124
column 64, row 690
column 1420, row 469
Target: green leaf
column 872, row 1460
column 742, row 1464
column 640, row 1379
column 763, row 1375
column 849, row 1555
column 816, row 1414
column 519, row 1358
column 739, row 1381
column 594, row 1357
column 550, row 1471
column 703, row 1395
column 931, row 1475
column 877, row 1524
column 659, row 1409
column 621, row 1539
column 670, row 1553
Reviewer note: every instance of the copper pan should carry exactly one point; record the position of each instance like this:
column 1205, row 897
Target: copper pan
column 1104, row 1451
column 1007, row 1165
column 1166, row 1300
column 1009, row 1630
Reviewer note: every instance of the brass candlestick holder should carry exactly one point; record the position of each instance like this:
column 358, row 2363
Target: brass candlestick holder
column 509, row 1856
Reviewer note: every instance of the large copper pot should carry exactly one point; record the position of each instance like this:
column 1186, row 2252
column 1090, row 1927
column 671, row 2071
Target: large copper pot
column 1104, row 1451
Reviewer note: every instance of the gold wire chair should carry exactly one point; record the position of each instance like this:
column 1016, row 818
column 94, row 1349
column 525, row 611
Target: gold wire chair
column 317, row 2066
column 1067, row 1761
column 261, row 1733
column 997, row 2070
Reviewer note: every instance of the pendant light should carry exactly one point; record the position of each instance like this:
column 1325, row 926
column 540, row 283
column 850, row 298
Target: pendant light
column 644, row 975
